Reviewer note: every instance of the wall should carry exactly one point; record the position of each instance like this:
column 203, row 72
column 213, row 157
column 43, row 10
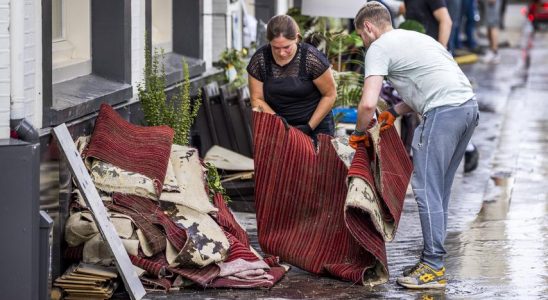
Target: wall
column 137, row 44
column 4, row 69
column 30, row 61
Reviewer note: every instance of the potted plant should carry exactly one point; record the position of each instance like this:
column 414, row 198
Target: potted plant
column 178, row 111
column 232, row 61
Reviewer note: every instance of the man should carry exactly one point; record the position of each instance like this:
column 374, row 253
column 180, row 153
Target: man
column 433, row 15
column 430, row 83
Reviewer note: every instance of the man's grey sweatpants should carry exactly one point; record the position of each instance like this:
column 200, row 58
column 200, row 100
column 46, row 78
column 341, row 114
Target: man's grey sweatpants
column 438, row 145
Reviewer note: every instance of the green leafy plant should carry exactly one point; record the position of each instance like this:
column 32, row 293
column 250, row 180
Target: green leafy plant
column 178, row 111
column 232, row 61
column 412, row 25
column 214, row 183
column 349, row 88
column 304, row 22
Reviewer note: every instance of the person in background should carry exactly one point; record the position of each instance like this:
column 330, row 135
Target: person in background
column 430, row 83
column 433, row 15
column 470, row 16
column 503, row 5
column 292, row 79
column 455, row 12
column 492, row 21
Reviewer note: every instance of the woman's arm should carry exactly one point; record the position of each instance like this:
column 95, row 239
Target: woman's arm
column 257, row 97
column 326, row 84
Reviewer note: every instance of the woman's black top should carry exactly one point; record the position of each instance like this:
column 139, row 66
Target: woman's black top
column 289, row 90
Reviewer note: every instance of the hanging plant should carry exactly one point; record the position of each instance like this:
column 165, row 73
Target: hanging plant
column 232, row 61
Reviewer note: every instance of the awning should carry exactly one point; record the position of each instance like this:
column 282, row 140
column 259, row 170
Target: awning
column 330, row 8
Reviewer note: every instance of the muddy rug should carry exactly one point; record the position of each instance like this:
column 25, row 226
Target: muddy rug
column 303, row 215
column 144, row 150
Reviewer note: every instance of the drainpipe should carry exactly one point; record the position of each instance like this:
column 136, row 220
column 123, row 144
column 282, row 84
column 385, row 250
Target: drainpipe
column 24, row 128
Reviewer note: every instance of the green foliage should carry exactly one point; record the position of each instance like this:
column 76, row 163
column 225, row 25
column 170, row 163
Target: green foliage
column 177, row 112
column 349, row 88
column 304, row 22
column 341, row 43
column 412, row 25
column 232, row 61
column 214, row 183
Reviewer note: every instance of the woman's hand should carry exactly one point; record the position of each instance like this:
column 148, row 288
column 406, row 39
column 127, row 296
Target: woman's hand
column 257, row 97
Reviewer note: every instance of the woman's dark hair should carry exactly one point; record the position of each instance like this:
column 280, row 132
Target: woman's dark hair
column 282, row 25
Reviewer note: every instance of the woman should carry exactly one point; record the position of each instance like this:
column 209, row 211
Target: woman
column 292, row 79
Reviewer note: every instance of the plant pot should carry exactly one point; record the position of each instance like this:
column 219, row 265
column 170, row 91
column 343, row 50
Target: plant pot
column 349, row 113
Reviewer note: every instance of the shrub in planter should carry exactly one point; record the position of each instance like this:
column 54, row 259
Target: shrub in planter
column 178, row 111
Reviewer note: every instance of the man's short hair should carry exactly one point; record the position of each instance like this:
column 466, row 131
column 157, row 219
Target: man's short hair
column 373, row 12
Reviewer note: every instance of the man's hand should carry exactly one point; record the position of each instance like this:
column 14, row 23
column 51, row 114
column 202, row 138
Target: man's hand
column 306, row 129
column 358, row 137
column 387, row 118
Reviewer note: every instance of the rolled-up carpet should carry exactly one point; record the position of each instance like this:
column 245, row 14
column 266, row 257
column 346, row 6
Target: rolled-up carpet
column 301, row 203
column 140, row 149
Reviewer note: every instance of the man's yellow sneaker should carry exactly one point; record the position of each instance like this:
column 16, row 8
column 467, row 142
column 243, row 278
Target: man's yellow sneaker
column 424, row 277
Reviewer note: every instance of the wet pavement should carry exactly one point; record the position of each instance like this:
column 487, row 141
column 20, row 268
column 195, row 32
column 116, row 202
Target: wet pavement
column 497, row 239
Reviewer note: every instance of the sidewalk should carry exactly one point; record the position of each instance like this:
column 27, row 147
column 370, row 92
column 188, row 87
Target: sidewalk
column 497, row 248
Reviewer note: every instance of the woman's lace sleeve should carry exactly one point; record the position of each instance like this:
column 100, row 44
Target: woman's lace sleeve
column 256, row 66
column 316, row 62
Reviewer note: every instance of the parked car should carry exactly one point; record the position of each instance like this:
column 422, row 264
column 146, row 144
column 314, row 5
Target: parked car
column 538, row 12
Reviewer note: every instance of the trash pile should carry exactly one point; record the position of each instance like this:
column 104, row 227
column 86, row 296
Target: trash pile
column 177, row 232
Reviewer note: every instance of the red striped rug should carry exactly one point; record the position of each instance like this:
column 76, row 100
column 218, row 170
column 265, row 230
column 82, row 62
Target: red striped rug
column 300, row 199
column 140, row 149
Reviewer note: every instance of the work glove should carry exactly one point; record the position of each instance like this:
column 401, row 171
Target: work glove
column 358, row 137
column 306, row 129
column 386, row 118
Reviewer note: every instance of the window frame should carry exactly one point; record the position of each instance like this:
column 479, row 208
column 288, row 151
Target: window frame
column 110, row 53
column 187, row 43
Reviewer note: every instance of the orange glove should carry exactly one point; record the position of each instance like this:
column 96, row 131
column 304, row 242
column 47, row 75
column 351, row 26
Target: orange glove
column 387, row 118
column 358, row 137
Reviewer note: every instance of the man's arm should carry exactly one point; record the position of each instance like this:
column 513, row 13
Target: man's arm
column 442, row 15
column 368, row 103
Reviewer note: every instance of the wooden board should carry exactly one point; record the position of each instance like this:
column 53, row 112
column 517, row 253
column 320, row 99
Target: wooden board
column 229, row 160
column 132, row 283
